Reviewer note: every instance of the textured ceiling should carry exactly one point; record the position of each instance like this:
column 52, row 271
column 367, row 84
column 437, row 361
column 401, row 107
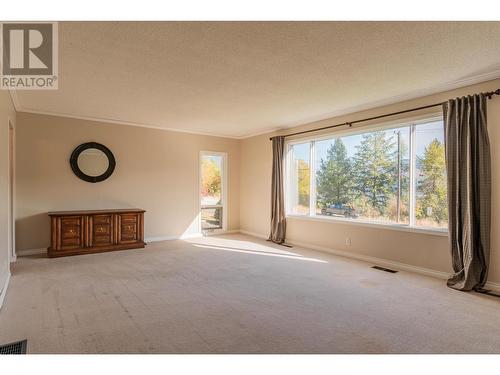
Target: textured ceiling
column 241, row 78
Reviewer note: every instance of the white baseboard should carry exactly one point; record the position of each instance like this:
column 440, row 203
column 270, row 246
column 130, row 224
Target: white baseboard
column 377, row 261
column 3, row 291
column 492, row 286
column 188, row 236
column 253, row 234
column 27, row 252
column 161, row 238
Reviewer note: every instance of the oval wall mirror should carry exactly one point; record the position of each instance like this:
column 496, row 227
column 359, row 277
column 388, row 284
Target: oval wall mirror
column 92, row 162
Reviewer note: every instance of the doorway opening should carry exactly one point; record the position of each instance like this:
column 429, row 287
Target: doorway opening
column 213, row 191
column 11, row 219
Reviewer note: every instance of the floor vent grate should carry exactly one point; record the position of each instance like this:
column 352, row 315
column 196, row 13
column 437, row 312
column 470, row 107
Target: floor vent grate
column 384, row 269
column 14, row 347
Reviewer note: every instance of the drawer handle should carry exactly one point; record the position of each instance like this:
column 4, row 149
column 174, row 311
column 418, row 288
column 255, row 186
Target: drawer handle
column 100, row 230
column 128, row 227
column 71, row 231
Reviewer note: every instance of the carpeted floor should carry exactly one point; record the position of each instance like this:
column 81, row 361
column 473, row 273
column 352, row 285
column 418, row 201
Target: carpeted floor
column 238, row 294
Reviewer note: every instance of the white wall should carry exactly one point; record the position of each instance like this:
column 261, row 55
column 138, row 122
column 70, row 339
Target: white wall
column 156, row 170
column 414, row 249
column 7, row 113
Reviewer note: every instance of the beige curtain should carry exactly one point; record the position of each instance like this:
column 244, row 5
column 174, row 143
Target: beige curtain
column 278, row 220
column 469, row 190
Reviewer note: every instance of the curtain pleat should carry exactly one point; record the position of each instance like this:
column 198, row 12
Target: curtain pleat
column 278, row 220
column 468, row 167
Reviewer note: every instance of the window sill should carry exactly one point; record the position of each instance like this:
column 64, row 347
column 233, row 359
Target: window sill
column 371, row 224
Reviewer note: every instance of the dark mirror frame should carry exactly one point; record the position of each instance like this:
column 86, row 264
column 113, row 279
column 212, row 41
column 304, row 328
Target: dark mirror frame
column 73, row 161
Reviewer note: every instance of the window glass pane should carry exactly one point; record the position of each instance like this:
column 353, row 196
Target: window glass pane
column 211, row 218
column 211, row 180
column 364, row 176
column 300, row 173
column 431, row 208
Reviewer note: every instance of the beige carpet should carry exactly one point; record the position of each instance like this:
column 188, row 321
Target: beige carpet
column 238, row 294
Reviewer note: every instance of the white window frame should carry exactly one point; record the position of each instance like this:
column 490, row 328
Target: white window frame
column 224, row 205
column 410, row 122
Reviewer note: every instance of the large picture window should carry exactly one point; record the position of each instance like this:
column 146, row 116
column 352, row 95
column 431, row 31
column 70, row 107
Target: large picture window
column 392, row 175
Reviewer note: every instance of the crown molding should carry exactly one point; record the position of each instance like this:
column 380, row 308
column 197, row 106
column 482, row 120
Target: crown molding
column 121, row 122
column 268, row 131
column 416, row 94
column 15, row 100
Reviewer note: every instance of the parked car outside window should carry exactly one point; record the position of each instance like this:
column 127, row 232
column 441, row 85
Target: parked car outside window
column 340, row 210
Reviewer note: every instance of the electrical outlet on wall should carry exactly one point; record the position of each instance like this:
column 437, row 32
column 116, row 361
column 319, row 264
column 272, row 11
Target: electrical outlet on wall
column 348, row 241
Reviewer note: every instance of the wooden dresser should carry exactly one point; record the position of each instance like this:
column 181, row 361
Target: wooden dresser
column 86, row 232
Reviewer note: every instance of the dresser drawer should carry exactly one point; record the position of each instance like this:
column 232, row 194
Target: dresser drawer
column 71, row 221
column 102, row 219
column 129, row 227
column 101, row 241
column 74, row 242
column 102, row 235
column 71, row 232
column 128, row 218
column 101, row 230
column 93, row 231
column 128, row 232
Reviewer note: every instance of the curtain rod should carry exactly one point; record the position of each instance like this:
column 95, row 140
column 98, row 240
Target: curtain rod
column 489, row 95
